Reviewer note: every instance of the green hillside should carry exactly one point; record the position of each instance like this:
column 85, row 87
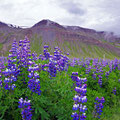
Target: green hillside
column 75, row 48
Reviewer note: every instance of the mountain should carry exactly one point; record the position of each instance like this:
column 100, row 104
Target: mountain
column 78, row 41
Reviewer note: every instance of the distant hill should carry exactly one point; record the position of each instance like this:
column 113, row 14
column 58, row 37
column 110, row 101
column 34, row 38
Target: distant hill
column 78, row 41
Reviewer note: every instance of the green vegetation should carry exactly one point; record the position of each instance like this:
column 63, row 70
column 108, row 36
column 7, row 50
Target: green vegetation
column 1, row 46
column 56, row 99
column 36, row 44
column 76, row 48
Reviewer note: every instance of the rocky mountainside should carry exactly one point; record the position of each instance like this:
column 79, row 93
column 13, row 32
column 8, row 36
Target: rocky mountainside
column 87, row 41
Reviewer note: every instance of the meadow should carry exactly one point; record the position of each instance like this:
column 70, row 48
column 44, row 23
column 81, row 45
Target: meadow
column 52, row 86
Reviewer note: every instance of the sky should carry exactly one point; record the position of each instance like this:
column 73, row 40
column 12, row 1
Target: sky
column 101, row 15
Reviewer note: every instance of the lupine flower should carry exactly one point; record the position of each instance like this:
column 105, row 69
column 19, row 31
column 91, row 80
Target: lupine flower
column 79, row 97
column 34, row 83
column 114, row 91
column 52, row 68
column 0, row 75
column 46, row 53
column 34, row 55
column 87, row 62
column 115, row 64
column 61, row 60
column 100, row 80
column 41, row 57
column 13, row 49
column 88, row 69
column 10, row 73
column 94, row 76
column 75, row 116
column 26, row 109
column 9, row 79
column 12, row 59
column 110, row 66
column 98, row 106
column 107, row 74
column 23, row 53
column 3, row 60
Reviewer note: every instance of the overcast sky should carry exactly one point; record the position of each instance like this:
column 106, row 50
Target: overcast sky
column 102, row 15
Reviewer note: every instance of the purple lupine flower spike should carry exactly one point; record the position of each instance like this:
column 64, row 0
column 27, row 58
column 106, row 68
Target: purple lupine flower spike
column 26, row 109
column 79, row 98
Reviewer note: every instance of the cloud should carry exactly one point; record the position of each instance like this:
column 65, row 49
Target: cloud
column 71, row 20
column 6, row 6
column 104, row 15
column 72, row 7
column 100, row 15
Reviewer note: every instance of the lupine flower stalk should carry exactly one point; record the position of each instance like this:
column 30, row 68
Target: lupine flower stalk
column 34, row 55
column 3, row 59
column 79, row 98
column 13, row 50
column 88, row 69
column 33, row 83
column 107, row 74
column 98, row 107
column 115, row 64
column 46, row 53
column 100, row 80
column 11, row 72
column 114, row 91
column 41, row 57
column 52, row 67
column 94, row 76
column 0, row 75
column 62, row 60
column 26, row 109
column 23, row 53
column 9, row 79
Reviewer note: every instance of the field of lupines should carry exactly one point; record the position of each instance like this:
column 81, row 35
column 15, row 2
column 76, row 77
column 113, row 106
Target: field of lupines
column 55, row 87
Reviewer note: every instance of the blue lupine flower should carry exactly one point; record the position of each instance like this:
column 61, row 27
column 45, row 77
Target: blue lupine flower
column 34, row 83
column 79, row 97
column 98, row 106
column 26, row 109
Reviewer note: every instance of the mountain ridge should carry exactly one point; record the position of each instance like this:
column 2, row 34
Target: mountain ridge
column 51, row 32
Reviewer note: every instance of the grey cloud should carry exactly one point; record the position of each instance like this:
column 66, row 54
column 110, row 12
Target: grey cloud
column 110, row 8
column 70, row 21
column 99, row 15
column 72, row 7
column 110, row 26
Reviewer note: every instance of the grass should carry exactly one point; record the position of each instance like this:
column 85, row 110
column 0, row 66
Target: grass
column 1, row 46
column 116, row 113
column 36, row 44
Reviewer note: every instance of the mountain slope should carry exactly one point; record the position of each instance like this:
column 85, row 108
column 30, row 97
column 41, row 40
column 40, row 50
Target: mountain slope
column 78, row 41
